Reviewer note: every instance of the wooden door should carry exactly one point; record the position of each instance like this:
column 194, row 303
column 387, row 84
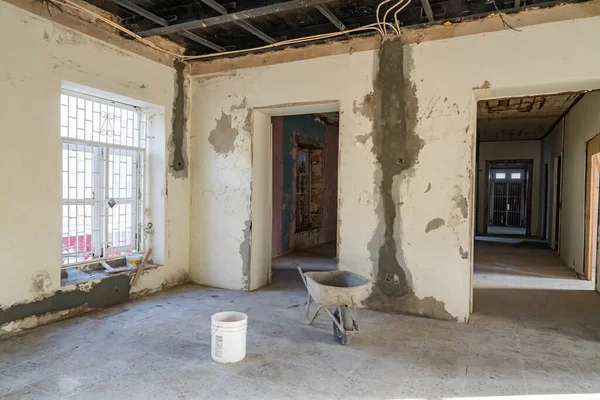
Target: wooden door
column 591, row 205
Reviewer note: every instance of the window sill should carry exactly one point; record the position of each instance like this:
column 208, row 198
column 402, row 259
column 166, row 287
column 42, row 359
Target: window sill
column 76, row 276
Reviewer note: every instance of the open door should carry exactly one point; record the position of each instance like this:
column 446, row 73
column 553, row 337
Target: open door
column 592, row 176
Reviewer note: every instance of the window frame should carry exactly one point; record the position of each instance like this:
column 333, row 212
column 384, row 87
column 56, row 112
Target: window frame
column 102, row 151
column 308, row 189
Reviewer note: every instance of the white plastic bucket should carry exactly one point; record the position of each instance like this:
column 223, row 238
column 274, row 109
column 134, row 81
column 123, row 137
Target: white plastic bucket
column 228, row 343
column 133, row 260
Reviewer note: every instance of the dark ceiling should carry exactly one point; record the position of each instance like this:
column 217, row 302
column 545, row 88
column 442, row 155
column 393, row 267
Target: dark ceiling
column 297, row 20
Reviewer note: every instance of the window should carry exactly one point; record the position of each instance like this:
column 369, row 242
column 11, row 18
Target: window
column 103, row 153
column 515, row 175
column 302, row 189
column 500, row 175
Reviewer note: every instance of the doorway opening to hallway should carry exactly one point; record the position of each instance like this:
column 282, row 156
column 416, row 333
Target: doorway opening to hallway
column 537, row 202
column 305, row 199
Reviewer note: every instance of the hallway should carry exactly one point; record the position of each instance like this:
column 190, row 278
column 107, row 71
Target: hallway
column 520, row 264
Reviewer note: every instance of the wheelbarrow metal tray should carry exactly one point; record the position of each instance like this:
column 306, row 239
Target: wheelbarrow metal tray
column 334, row 288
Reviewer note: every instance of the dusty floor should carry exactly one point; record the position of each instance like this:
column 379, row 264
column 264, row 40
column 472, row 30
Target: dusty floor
column 518, row 342
column 516, row 264
column 318, row 258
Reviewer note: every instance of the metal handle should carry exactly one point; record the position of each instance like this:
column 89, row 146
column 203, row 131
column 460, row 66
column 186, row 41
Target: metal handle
column 302, row 275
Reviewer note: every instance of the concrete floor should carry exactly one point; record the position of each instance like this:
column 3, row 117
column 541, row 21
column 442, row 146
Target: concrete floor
column 522, row 264
column 318, row 258
column 505, row 230
column 518, row 342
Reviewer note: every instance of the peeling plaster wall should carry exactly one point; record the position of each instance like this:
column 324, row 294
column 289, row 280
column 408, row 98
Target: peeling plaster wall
column 441, row 81
column 330, row 200
column 511, row 150
column 277, row 161
column 582, row 124
column 38, row 56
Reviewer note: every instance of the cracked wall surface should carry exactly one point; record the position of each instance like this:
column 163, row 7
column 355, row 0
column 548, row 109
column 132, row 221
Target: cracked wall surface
column 30, row 83
column 406, row 154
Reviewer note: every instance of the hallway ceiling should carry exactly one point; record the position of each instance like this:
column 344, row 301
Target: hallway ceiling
column 521, row 118
column 211, row 28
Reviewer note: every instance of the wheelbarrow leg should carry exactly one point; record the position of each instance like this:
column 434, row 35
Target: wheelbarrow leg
column 307, row 306
column 315, row 316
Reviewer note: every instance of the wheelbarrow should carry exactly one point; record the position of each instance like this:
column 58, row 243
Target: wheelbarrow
column 339, row 290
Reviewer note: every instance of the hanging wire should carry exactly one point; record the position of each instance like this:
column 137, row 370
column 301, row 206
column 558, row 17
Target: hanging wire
column 502, row 18
column 50, row 3
column 380, row 26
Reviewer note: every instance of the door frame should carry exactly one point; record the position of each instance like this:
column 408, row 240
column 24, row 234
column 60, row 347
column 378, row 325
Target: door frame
column 261, row 195
column 545, row 187
column 526, row 164
column 556, row 204
column 592, row 174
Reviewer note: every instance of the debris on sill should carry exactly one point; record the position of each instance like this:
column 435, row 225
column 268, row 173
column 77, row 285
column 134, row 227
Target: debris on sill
column 76, row 275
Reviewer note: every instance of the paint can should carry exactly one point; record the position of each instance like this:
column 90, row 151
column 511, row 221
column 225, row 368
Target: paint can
column 228, row 336
column 133, row 260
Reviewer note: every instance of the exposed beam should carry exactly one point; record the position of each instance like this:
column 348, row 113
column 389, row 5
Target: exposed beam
column 161, row 21
column 255, row 31
column 330, row 16
column 215, row 6
column 428, row 10
column 141, row 11
column 233, row 17
column 248, row 42
column 242, row 24
column 202, row 41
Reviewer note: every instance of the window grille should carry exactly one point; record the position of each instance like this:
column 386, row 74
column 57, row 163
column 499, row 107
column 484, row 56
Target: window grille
column 515, row 175
column 103, row 153
column 500, row 175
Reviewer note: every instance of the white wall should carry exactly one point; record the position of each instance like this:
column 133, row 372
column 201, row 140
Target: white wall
column 512, row 150
column 447, row 111
column 581, row 124
column 37, row 56
column 551, row 148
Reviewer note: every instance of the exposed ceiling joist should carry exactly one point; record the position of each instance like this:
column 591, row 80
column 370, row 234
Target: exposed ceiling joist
column 141, row 11
column 233, row 17
column 323, row 9
column 202, row 41
column 161, row 21
column 242, row 24
column 215, row 6
column 428, row 10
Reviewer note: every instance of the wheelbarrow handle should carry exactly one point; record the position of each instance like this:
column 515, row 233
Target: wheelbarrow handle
column 302, row 275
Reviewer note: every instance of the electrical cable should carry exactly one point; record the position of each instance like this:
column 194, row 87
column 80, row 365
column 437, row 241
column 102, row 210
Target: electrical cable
column 380, row 26
column 291, row 41
column 502, row 18
column 396, row 16
column 377, row 12
column 69, row 3
column 389, row 10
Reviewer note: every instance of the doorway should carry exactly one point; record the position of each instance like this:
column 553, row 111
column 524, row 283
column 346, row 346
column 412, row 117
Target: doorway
column 304, row 187
column 508, row 201
column 519, row 148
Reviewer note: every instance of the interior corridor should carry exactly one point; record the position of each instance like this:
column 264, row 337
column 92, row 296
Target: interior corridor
column 510, row 263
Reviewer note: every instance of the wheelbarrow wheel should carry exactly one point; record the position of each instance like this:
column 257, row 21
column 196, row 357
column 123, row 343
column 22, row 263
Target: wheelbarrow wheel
column 347, row 322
